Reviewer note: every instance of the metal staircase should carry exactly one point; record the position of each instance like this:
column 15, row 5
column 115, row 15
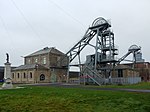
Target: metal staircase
column 94, row 75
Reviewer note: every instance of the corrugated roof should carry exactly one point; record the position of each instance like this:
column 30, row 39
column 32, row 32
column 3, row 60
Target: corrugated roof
column 45, row 51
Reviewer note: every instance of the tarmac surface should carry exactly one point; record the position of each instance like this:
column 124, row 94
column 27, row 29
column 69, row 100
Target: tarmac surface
column 65, row 85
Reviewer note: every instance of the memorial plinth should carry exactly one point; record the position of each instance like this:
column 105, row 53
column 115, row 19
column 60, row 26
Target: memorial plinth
column 7, row 77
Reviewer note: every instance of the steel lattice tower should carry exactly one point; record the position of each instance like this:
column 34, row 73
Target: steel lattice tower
column 105, row 50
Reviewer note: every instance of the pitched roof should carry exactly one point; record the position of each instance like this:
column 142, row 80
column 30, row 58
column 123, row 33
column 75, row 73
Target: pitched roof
column 29, row 66
column 45, row 51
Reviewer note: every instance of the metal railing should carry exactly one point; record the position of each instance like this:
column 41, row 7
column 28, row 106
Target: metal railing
column 89, row 72
column 128, row 80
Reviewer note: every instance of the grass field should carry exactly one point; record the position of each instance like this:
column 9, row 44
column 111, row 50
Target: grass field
column 142, row 85
column 58, row 99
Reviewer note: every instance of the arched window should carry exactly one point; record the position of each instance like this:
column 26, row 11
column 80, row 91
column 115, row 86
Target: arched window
column 24, row 75
column 42, row 77
column 18, row 75
column 13, row 75
column 31, row 75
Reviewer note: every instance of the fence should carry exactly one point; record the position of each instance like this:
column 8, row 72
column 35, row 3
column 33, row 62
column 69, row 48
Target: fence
column 119, row 80
column 129, row 80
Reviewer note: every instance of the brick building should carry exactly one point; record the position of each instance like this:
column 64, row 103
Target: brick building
column 124, row 71
column 43, row 66
column 143, row 68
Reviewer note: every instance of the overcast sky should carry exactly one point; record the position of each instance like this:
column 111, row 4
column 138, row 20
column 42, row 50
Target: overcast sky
column 30, row 25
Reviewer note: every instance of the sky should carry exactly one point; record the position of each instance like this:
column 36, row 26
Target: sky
column 30, row 25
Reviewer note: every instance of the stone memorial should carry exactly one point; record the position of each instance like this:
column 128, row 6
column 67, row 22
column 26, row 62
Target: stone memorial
column 7, row 74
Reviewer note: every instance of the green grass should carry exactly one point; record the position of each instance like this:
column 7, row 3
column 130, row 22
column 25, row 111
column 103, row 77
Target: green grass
column 142, row 85
column 57, row 99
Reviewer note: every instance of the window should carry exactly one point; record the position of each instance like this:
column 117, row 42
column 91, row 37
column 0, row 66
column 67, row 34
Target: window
column 120, row 73
column 42, row 77
column 24, row 75
column 44, row 60
column 29, row 61
column 13, row 75
column 18, row 75
column 31, row 75
column 36, row 60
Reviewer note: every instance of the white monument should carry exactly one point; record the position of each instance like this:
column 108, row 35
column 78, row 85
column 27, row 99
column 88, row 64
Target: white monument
column 7, row 75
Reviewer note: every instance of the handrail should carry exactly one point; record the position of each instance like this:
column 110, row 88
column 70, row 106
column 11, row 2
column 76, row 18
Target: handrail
column 93, row 74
